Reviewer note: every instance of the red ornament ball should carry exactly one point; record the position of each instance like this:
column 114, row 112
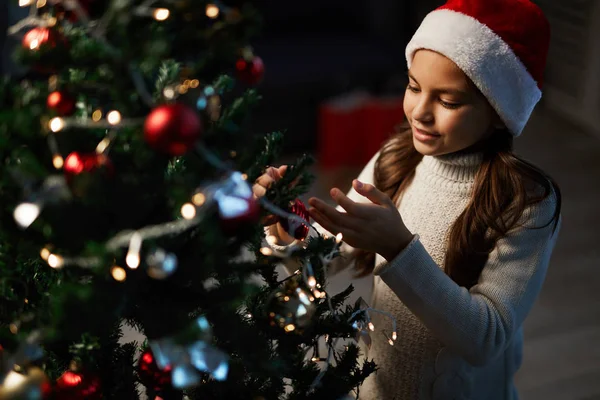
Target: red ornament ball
column 172, row 129
column 78, row 386
column 78, row 163
column 62, row 102
column 41, row 36
column 250, row 72
column 151, row 375
column 294, row 228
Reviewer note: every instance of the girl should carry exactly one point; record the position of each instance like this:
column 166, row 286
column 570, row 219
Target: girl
column 456, row 229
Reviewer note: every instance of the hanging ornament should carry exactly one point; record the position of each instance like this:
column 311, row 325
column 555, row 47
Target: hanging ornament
column 40, row 37
column 237, row 205
column 172, row 129
column 151, row 375
column 192, row 361
column 161, row 264
column 250, row 68
column 78, row 385
column 296, row 229
column 61, row 102
column 77, row 163
column 30, row 385
column 291, row 307
column 210, row 102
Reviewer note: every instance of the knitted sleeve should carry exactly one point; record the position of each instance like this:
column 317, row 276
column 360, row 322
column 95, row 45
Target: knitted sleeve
column 344, row 260
column 479, row 323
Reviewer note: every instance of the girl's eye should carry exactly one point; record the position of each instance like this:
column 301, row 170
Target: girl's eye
column 413, row 89
column 451, row 106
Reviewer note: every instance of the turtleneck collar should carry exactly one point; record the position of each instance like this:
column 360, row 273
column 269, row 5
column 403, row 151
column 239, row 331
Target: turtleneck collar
column 454, row 171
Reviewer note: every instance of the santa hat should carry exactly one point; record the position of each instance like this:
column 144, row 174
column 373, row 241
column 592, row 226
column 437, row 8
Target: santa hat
column 501, row 45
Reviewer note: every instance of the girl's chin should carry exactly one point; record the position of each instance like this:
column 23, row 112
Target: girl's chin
column 426, row 149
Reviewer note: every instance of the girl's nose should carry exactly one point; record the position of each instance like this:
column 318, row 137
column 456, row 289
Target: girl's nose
column 422, row 111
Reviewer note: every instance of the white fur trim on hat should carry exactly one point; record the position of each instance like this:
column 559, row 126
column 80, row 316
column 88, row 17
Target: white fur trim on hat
column 485, row 58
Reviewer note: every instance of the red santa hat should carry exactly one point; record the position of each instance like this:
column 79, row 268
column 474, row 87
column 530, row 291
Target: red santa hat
column 501, row 45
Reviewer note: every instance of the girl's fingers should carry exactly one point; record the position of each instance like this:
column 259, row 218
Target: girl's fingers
column 350, row 206
column 323, row 221
column 265, row 181
column 342, row 220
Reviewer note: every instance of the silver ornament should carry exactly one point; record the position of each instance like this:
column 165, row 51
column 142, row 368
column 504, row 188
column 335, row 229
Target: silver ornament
column 161, row 264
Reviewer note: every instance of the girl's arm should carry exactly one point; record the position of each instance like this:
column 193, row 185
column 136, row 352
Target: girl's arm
column 345, row 259
column 479, row 323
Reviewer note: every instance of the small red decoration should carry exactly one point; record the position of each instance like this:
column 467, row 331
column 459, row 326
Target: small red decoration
column 62, row 102
column 38, row 37
column 151, row 375
column 78, row 386
column 294, row 228
column 172, row 129
column 250, row 71
column 77, row 163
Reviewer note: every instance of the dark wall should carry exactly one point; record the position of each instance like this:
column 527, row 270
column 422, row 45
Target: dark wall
column 319, row 50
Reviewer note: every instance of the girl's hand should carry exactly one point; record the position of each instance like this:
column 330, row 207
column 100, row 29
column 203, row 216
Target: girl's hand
column 263, row 183
column 375, row 226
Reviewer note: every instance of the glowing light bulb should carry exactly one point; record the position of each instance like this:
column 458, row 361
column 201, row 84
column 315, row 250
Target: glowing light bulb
column 169, row 93
column 55, row 261
column 13, row 380
column 113, row 117
column 339, row 237
column 194, row 83
column 266, row 251
column 57, row 124
column 26, row 213
column 312, row 282
column 132, row 260
column 188, row 211
column 161, row 14
column 45, row 253
column 371, row 326
column 58, row 161
column 289, row 328
column 391, row 342
column 97, row 115
column 394, row 336
column 35, row 43
column 198, row 199
column 212, row 11
column 245, row 177
column 25, row 3
column 118, row 273
column 102, row 146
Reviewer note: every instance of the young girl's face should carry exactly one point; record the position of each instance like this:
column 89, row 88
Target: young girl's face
column 445, row 110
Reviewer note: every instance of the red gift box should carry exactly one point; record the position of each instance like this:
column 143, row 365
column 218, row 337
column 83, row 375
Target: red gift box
column 353, row 127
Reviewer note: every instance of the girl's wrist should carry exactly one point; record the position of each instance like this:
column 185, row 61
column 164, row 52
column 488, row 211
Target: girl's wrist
column 398, row 246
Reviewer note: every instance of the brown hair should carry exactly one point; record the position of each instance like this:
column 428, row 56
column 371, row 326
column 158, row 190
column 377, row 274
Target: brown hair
column 501, row 188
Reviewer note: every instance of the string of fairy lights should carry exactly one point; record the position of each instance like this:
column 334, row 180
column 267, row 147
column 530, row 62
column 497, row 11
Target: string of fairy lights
column 202, row 200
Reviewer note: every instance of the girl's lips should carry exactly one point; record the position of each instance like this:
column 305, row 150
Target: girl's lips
column 423, row 136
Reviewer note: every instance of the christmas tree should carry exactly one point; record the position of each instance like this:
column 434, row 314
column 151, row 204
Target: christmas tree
column 127, row 199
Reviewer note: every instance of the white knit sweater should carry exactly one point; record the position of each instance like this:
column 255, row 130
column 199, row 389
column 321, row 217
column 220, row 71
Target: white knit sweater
column 453, row 343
